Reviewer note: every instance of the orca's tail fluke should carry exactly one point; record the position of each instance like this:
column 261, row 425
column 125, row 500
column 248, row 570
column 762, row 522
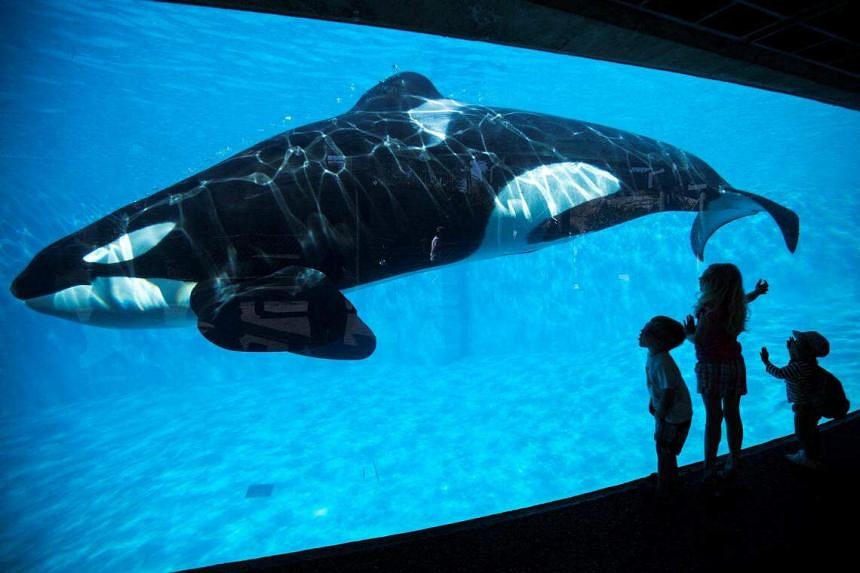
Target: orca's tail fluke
column 734, row 204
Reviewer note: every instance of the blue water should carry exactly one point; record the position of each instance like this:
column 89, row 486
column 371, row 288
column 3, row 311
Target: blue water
column 495, row 385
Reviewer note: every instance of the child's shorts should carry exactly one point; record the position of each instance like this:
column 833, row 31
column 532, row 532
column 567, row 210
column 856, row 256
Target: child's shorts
column 721, row 379
column 671, row 436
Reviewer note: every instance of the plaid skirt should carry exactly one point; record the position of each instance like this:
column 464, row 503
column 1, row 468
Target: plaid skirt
column 722, row 378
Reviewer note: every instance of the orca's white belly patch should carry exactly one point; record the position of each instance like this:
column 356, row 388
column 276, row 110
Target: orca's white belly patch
column 535, row 197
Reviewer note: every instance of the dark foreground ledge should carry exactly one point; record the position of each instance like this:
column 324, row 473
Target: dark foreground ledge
column 775, row 515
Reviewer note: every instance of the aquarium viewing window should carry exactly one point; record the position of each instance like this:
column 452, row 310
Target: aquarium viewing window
column 272, row 289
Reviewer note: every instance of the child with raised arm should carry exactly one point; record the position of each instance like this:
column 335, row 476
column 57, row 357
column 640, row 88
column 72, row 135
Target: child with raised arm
column 802, row 388
column 669, row 398
column 720, row 316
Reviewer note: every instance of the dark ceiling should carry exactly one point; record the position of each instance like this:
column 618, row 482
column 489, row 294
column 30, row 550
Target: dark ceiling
column 817, row 41
column 807, row 49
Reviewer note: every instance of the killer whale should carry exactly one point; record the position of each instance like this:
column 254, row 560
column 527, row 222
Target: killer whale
column 259, row 248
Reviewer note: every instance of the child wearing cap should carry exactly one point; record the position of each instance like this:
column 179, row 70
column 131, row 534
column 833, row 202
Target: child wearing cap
column 669, row 401
column 804, row 349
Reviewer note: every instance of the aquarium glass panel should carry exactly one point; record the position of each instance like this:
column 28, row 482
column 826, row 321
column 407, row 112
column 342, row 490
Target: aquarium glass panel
column 273, row 284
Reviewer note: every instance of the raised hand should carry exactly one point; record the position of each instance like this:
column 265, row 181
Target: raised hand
column 765, row 355
column 761, row 287
column 690, row 324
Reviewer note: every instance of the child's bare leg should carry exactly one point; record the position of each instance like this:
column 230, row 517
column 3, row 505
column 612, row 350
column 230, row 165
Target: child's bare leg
column 734, row 429
column 713, row 430
column 806, row 429
column 667, row 468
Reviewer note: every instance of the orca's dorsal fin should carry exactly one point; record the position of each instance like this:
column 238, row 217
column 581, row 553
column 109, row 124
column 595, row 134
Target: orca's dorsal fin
column 400, row 92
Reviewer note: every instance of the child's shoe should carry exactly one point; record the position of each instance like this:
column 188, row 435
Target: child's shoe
column 800, row 458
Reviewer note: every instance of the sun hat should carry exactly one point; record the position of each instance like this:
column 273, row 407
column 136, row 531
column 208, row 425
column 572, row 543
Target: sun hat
column 817, row 344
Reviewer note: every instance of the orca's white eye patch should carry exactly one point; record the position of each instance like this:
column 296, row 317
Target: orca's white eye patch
column 130, row 245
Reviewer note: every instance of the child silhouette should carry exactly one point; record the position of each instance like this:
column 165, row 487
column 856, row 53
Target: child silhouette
column 669, row 398
column 720, row 316
column 802, row 388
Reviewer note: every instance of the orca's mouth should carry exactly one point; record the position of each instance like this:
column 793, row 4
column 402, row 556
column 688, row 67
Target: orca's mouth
column 34, row 283
column 72, row 262
column 19, row 288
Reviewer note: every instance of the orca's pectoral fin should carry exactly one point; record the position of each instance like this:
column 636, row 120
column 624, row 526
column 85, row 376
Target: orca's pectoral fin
column 297, row 310
column 734, row 204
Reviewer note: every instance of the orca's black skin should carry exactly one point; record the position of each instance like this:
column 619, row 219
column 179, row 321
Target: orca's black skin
column 359, row 196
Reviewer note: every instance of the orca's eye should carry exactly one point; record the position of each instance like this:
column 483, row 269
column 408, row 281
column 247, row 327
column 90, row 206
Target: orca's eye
column 130, row 245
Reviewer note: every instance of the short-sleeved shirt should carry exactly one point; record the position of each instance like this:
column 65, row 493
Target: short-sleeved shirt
column 663, row 374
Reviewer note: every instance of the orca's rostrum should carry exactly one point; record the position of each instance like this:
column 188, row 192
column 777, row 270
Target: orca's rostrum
column 259, row 248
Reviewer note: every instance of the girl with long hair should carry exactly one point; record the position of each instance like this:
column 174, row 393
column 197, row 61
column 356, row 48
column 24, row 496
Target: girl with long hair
column 720, row 316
